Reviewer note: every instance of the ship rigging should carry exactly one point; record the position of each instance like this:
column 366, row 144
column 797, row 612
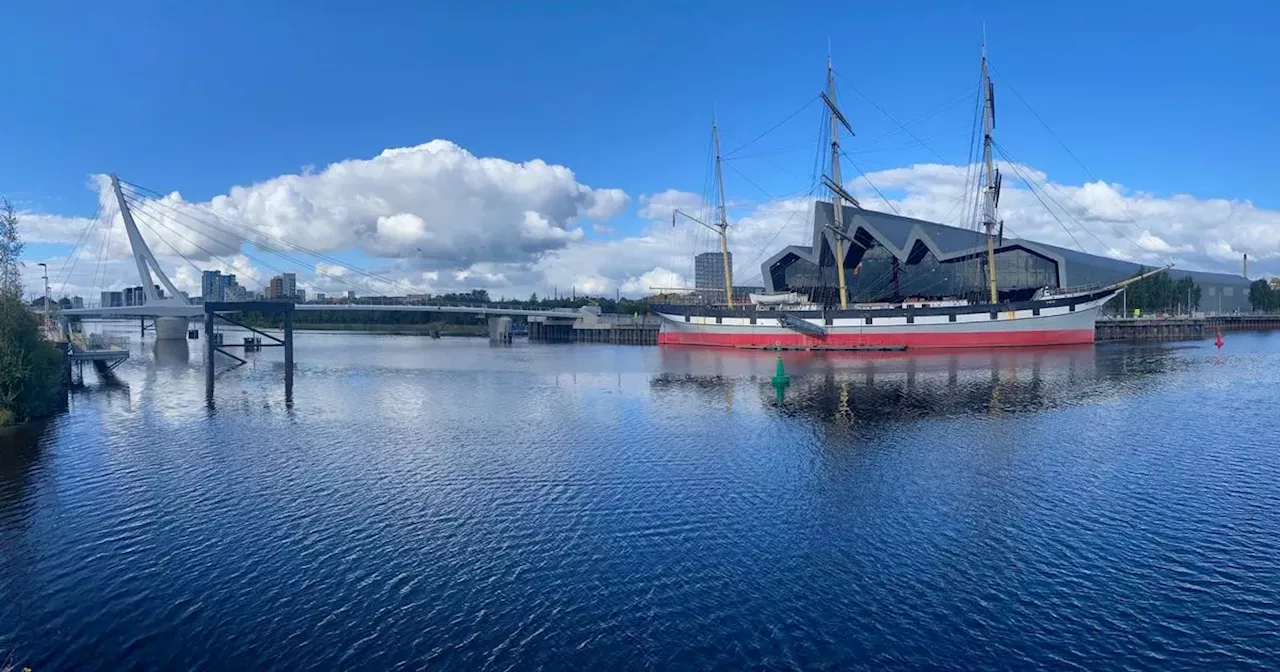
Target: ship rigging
column 1050, row 315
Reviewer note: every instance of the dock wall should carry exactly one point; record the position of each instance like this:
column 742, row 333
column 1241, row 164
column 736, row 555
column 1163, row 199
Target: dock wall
column 1180, row 328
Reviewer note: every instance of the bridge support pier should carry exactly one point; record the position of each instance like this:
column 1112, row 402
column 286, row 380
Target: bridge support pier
column 209, row 348
column 500, row 330
column 213, row 343
column 288, row 355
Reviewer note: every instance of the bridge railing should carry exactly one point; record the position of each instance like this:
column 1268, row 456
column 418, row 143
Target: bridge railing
column 633, row 321
column 102, row 342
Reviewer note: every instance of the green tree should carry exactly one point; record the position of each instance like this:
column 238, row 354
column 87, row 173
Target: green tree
column 10, row 250
column 1263, row 297
column 1159, row 293
column 30, row 367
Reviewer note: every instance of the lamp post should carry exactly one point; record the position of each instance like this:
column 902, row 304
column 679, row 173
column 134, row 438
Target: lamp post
column 46, row 294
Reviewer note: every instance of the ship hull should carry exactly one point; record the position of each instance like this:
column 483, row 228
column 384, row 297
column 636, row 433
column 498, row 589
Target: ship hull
column 1059, row 322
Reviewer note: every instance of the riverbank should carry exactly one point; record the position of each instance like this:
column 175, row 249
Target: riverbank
column 32, row 384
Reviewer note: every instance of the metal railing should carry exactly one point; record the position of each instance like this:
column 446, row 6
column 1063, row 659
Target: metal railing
column 100, row 342
column 619, row 320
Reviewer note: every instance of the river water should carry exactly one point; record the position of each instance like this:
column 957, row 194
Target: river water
column 445, row 504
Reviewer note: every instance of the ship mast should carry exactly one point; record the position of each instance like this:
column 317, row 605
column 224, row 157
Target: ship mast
column 991, row 193
column 838, row 194
column 723, row 225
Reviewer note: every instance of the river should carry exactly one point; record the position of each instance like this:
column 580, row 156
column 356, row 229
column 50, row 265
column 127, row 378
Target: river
column 446, row 504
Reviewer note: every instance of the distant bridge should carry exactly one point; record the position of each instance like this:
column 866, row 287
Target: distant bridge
column 197, row 311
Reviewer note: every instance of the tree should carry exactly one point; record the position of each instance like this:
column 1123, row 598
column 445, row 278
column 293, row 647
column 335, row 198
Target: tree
column 10, row 250
column 30, row 367
column 1159, row 293
column 1262, row 296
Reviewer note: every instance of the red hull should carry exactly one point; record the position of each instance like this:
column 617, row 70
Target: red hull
column 922, row 340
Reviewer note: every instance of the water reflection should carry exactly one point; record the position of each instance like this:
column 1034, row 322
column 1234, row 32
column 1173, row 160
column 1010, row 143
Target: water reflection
column 172, row 353
column 867, row 389
column 20, row 455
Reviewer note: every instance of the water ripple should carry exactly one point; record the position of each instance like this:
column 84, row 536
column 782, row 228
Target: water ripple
column 446, row 505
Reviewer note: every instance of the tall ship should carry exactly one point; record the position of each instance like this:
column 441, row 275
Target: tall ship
column 815, row 312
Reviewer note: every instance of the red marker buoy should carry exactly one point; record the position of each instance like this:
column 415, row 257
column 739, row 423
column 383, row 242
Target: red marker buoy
column 1218, row 342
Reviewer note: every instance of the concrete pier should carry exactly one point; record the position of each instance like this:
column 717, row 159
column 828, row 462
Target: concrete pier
column 1180, row 328
column 593, row 327
column 500, row 332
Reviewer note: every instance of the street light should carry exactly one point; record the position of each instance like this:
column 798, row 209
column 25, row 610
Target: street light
column 46, row 293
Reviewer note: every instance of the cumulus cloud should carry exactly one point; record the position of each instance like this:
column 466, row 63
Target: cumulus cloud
column 434, row 202
column 660, row 206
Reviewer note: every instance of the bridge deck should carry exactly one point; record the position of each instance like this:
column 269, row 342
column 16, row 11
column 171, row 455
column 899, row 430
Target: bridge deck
column 197, row 310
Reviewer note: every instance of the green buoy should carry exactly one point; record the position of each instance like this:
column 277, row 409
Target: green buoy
column 780, row 381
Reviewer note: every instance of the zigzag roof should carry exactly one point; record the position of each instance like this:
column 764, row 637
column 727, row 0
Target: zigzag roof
column 909, row 239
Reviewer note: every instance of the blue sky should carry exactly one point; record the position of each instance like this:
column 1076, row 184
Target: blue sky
column 1164, row 98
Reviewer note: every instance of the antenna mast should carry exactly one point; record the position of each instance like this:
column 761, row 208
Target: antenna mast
column 991, row 193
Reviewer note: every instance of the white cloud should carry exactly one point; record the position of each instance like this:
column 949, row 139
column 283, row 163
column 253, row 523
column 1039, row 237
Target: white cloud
column 651, row 281
column 660, row 206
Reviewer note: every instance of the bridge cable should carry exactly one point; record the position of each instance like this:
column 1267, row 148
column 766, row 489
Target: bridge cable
column 75, row 252
column 241, row 239
column 142, row 209
column 140, row 201
column 255, row 234
column 100, row 283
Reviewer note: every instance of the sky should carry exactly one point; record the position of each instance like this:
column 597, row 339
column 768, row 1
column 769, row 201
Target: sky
column 540, row 147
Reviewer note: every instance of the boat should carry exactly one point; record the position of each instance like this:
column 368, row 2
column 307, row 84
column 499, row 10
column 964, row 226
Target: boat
column 820, row 320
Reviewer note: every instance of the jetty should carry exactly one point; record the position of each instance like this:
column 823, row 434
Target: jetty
column 1180, row 328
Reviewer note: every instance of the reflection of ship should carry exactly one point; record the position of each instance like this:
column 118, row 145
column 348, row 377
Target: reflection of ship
column 879, row 387
column 822, row 317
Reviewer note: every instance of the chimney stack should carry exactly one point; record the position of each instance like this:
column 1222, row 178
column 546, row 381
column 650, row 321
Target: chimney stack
column 1246, row 266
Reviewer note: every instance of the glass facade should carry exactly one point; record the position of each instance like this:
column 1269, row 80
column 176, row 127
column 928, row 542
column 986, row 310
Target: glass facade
column 877, row 275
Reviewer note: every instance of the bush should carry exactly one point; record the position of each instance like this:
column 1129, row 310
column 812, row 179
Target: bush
column 30, row 367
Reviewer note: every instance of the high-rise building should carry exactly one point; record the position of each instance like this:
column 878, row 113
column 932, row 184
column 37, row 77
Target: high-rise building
column 112, row 299
column 301, row 296
column 275, row 288
column 77, row 302
column 351, row 295
column 288, row 286
column 210, row 286
column 320, row 296
column 137, row 296
column 708, row 276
